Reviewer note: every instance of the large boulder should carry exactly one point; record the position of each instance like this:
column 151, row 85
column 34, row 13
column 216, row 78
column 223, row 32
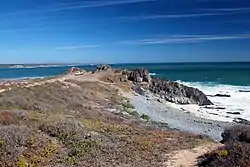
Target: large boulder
column 139, row 75
column 178, row 93
column 103, row 68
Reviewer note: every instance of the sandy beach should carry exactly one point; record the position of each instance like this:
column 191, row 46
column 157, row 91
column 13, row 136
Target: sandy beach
column 175, row 118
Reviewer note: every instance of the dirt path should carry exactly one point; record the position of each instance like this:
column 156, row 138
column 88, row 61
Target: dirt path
column 188, row 158
column 87, row 77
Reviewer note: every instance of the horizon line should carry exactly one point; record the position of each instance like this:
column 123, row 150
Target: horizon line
column 171, row 62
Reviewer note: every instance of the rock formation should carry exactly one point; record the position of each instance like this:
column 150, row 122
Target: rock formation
column 102, row 68
column 170, row 91
column 178, row 93
column 139, row 75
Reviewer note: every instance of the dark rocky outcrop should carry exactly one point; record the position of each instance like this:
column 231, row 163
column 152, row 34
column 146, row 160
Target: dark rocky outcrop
column 178, row 93
column 139, row 75
column 102, row 68
column 170, row 91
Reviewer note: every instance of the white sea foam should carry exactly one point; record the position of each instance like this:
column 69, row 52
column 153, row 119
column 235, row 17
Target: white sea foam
column 152, row 74
column 237, row 102
column 22, row 78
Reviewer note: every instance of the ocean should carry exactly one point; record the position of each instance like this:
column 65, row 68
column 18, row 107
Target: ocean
column 212, row 78
column 205, row 73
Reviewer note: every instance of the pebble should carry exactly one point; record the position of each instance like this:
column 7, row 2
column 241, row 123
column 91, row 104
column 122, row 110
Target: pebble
column 177, row 119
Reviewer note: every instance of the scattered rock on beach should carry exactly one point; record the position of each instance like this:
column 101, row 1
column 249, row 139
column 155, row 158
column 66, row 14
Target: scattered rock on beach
column 234, row 113
column 213, row 113
column 215, row 108
column 222, row 95
column 139, row 90
column 159, row 100
column 246, row 91
column 242, row 121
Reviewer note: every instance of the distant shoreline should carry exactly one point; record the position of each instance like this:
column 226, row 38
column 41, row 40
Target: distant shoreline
column 35, row 65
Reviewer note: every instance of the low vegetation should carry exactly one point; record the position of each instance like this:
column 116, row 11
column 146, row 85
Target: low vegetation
column 145, row 117
column 71, row 123
column 127, row 104
column 235, row 152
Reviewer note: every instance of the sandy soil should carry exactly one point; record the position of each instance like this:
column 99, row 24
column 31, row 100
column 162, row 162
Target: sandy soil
column 188, row 158
column 88, row 77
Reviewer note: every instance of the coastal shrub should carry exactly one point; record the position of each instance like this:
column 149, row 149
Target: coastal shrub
column 21, row 146
column 145, row 117
column 239, row 133
column 74, row 136
column 59, row 128
column 71, row 124
column 8, row 117
column 135, row 114
column 61, row 97
column 131, row 112
column 235, row 152
column 127, row 104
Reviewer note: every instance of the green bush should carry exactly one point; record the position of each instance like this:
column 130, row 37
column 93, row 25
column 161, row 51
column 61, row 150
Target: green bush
column 127, row 104
column 145, row 117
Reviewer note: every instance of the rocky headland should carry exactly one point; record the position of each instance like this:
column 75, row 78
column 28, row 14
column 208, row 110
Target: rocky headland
column 102, row 118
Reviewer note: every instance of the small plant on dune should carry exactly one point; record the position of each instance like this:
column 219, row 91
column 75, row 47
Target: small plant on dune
column 145, row 117
column 21, row 162
column 127, row 104
column 2, row 142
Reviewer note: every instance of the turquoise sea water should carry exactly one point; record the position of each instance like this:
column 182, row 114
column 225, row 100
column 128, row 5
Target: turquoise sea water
column 209, row 73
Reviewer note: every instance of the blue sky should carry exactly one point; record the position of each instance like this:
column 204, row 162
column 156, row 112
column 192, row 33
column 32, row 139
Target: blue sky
column 124, row 31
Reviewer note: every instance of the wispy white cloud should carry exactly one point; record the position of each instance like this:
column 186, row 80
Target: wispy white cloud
column 74, row 6
column 77, row 47
column 186, row 39
column 148, row 17
column 176, row 16
column 228, row 9
column 100, row 4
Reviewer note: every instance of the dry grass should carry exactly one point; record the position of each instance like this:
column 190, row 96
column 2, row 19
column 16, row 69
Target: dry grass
column 69, row 124
column 22, row 146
